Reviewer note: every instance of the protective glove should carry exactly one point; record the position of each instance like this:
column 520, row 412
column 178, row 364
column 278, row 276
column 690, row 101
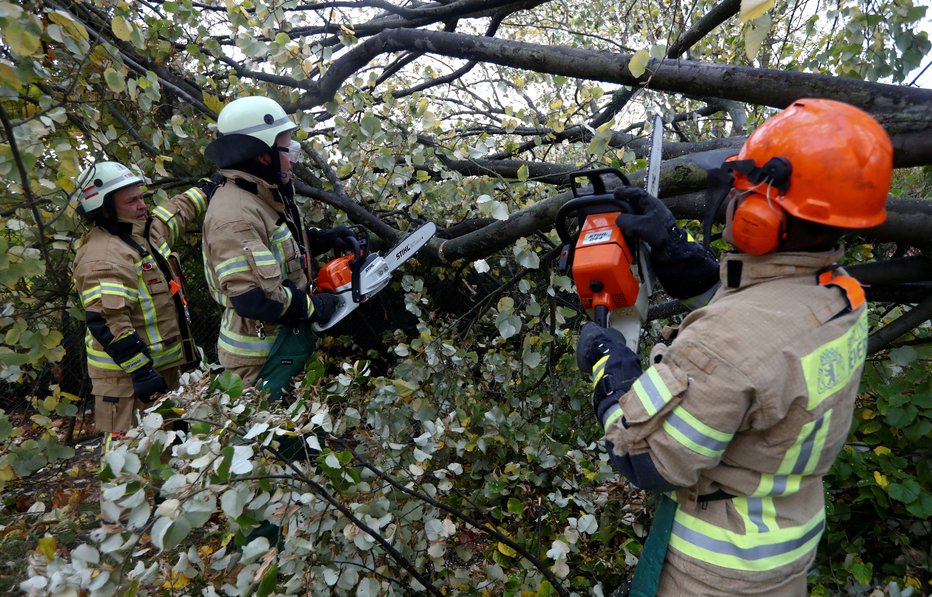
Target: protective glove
column 336, row 238
column 325, row 305
column 147, row 382
column 209, row 186
column 603, row 354
column 651, row 220
column 685, row 268
column 299, row 309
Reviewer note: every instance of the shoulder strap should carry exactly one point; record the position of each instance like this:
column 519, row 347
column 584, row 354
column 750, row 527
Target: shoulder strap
column 852, row 289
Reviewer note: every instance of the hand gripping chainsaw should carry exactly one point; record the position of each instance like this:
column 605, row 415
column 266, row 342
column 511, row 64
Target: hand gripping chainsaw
column 357, row 276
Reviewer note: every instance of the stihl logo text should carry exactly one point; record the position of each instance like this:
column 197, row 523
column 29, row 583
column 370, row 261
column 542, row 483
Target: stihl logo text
column 402, row 252
column 597, row 237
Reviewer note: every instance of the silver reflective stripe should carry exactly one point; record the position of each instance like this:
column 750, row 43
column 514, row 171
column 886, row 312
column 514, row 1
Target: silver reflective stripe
column 805, row 450
column 756, row 514
column 260, row 127
column 651, row 391
column 758, row 552
column 694, row 434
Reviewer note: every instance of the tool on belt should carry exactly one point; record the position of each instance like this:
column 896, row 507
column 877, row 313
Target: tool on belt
column 357, row 276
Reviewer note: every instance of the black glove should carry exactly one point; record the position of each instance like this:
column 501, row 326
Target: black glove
column 611, row 376
column 147, row 382
column 685, row 268
column 336, row 238
column 651, row 220
column 209, row 185
column 325, row 305
column 299, row 308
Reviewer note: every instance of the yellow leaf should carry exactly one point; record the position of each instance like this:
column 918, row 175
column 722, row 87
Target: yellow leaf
column 47, row 546
column 121, row 28
column 213, row 102
column 638, row 63
column 867, row 414
column 881, row 479
column 882, row 451
column 177, row 581
column 505, row 550
column 912, row 581
column 22, row 42
column 6, row 472
column 160, row 164
column 115, row 80
column 557, row 103
column 9, row 77
column 66, row 22
column 751, row 9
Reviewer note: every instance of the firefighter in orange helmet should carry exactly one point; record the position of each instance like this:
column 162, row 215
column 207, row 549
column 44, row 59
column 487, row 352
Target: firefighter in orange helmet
column 738, row 419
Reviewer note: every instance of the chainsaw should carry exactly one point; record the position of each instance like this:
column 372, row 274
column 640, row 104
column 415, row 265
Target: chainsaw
column 355, row 277
column 613, row 281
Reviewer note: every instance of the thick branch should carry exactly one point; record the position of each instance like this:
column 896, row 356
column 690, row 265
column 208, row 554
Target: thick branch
column 906, row 322
column 712, row 19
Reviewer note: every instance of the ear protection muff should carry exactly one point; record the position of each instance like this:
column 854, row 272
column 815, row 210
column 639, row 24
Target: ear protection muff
column 758, row 225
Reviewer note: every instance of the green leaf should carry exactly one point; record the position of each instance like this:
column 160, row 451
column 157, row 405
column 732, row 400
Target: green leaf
column 903, row 356
column 523, row 173
column 906, row 492
column 269, row 582
column 863, row 573
column 755, row 34
column 638, row 63
column 115, row 80
column 21, row 41
column 228, row 383
column 901, row 417
column 515, row 506
column 922, row 507
column 121, row 28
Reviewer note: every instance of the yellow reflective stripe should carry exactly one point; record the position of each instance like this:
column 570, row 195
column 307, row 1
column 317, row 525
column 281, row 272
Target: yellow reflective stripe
column 98, row 358
column 832, row 366
column 750, row 552
column 264, row 257
column 247, row 346
column 231, row 266
column 598, row 370
column 695, row 435
column 90, row 295
column 804, row 454
column 280, row 234
column 161, row 358
column 614, row 413
column 758, row 513
column 772, row 485
column 134, row 363
column 197, row 197
column 169, row 218
column 147, row 303
column 117, row 289
column 651, row 391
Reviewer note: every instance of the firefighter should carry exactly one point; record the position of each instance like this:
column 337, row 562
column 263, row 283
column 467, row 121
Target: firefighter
column 738, row 419
column 129, row 281
column 257, row 250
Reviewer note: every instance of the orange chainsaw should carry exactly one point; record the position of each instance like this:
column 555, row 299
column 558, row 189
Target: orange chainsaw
column 607, row 274
column 356, row 276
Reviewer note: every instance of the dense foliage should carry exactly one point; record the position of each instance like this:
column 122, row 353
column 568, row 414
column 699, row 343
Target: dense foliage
column 457, row 451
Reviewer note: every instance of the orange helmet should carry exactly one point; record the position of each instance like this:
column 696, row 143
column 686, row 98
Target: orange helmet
column 840, row 161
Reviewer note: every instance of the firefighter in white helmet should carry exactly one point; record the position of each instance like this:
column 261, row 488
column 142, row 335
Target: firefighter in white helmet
column 257, row 250
column 129, row 283
column 738, row 419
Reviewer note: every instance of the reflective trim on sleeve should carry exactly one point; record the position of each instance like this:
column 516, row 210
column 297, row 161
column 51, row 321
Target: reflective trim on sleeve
column 238, row 344
column 833, row 365
column 598, row 370
column 752, row 551
column 168, row 218
column 90, row 295
column 652, row 391
column 98, row 358
column 117, row 289
column 197, row 197
column 134, row 363
column 233, row 265
column 695, row 435
column 163, row 357
column 611, row 415
column 803, row 456
column 264, row 257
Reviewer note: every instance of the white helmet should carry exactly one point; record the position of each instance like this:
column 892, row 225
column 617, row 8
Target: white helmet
column 99, row 180
column 247, row 127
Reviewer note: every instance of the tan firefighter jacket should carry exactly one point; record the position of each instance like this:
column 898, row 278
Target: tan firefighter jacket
column 131, row 293
column 753, row 398
column 247, row 244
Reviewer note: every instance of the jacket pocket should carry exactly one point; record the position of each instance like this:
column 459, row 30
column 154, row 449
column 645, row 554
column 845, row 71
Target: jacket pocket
column 263, row 264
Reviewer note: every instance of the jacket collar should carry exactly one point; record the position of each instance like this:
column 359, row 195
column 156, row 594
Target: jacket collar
column 740, row 270
column 267, row 193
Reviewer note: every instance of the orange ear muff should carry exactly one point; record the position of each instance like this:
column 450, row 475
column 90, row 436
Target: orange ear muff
column 758, row 225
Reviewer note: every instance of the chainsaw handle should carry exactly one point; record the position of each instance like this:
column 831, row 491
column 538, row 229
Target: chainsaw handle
column 595, row 180
column 598, row 204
